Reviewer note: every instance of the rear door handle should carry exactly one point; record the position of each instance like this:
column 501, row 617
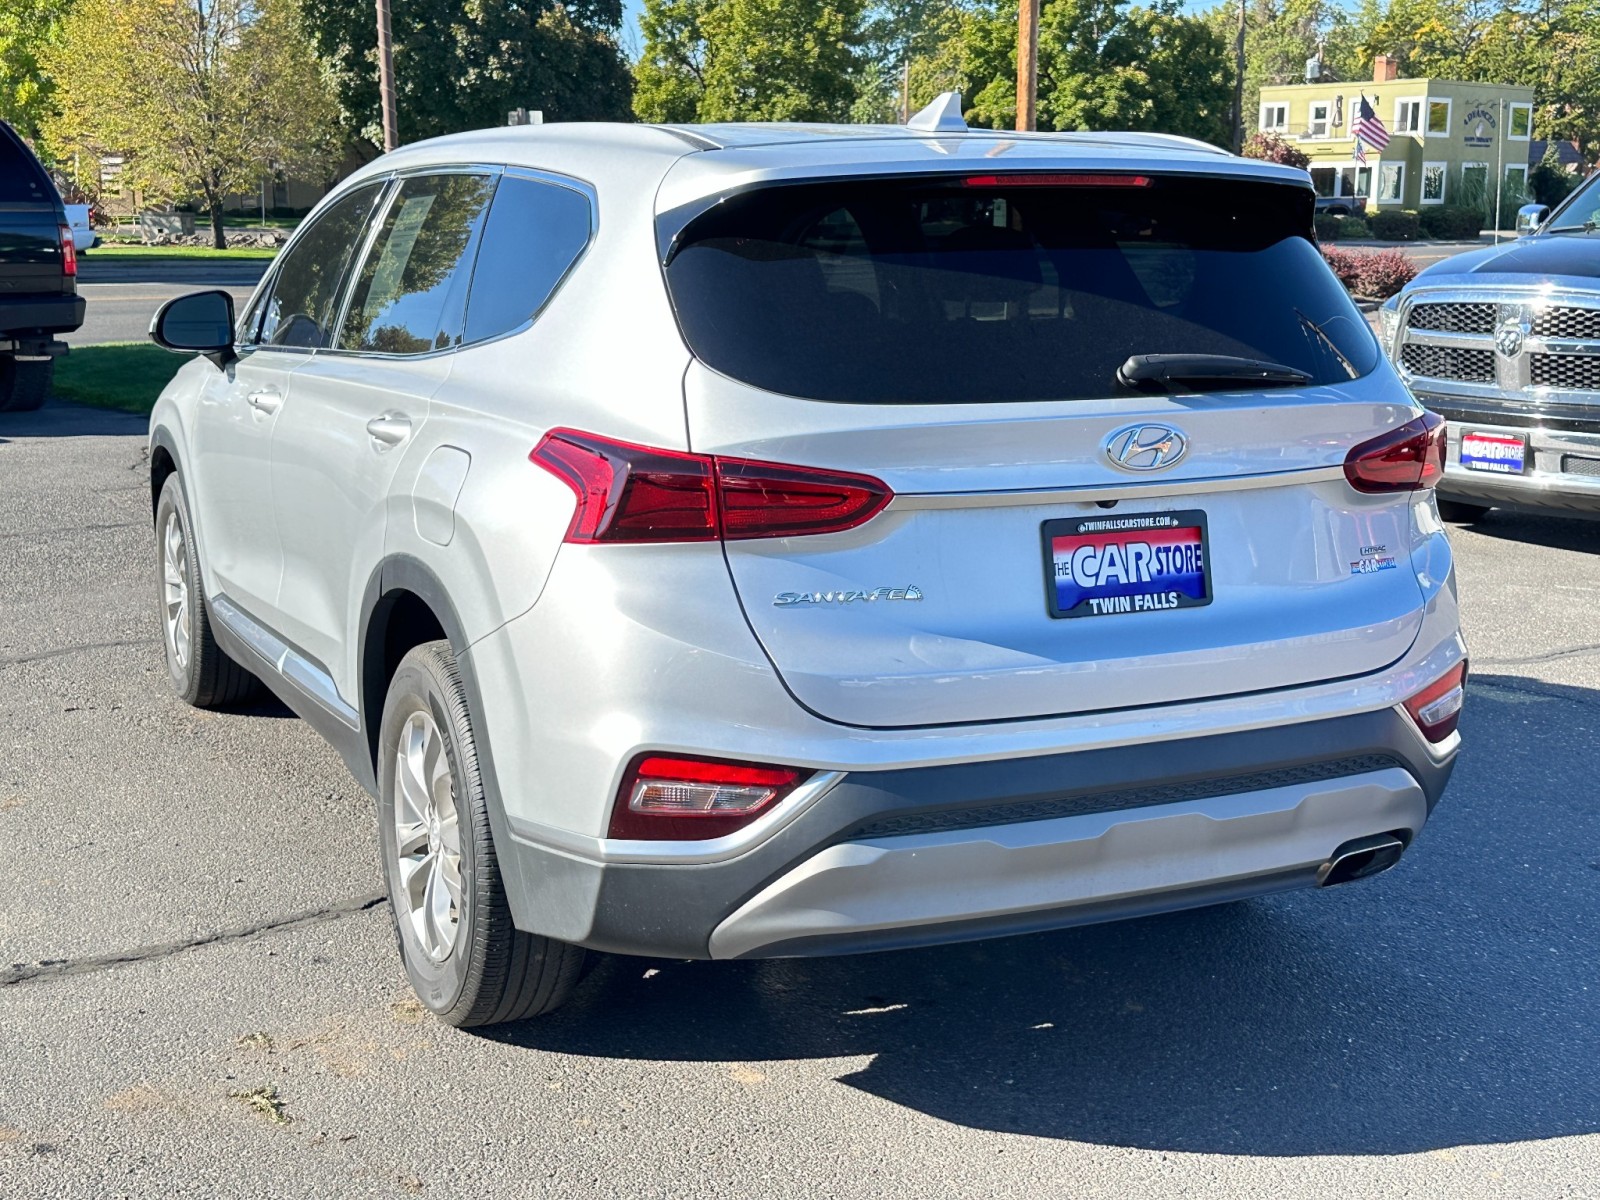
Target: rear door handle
column 266, row 402
column 390, row 429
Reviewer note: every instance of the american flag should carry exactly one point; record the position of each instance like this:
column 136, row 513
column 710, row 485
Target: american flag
column 1369, row 128
column 1361, row 151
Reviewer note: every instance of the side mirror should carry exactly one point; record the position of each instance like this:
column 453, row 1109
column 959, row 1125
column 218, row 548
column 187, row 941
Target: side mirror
column 199, row 323
column 1530, row 217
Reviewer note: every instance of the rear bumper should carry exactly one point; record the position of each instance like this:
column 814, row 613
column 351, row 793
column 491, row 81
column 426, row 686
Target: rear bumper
column 885, row 859
column 29, row 316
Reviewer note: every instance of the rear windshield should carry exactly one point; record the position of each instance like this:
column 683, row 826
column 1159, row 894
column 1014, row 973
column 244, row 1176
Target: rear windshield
column 1006, row 288
column 22, row 181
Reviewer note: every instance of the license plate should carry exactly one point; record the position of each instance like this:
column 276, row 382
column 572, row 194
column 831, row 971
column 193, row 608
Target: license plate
column 1106, row 565
column 1496, row 452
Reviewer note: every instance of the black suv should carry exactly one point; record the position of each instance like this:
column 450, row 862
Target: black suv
column 38, row 276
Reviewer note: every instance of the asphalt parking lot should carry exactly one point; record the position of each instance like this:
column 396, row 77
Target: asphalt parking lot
column 200, row 995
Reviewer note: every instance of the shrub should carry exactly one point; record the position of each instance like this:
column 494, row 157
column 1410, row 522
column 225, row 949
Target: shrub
column 1550, row 181
column 1354, row 227
column 1327, row 227
column 1345, row 264
column 1382, row 273
column 1375, row 274
column 1392, row 225
column 1269, row 147
column 1452, row 222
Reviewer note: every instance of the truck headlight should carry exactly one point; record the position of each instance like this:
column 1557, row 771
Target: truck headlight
column 1389, row 322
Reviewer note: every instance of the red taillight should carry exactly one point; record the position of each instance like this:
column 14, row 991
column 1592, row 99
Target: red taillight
column 666, row 798
column 69, row 252
column 1045, row 179
column 629, row 493
column 1437, row 708
column 1402, row 460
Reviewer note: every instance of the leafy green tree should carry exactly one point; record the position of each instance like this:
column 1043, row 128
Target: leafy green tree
column 748, row 60
column 1280, row 36
column 463, row 64
column 200, row 95
column 1104, row 64
column 27, row 30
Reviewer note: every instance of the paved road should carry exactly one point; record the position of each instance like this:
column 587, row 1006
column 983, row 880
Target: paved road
column 121, row 296
column 191, row 913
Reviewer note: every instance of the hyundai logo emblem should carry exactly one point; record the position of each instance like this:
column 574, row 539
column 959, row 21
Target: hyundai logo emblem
column 1145, row 447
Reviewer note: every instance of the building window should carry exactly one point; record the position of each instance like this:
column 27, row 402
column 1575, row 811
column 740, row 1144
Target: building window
column 1391, row 183
column 1433, row 182
column 1475, row 186
column 1274, row 118
column 1517, row 183
column 1408, row 116
column 1438, row 118
column 1519, row 125
column 1318, row 125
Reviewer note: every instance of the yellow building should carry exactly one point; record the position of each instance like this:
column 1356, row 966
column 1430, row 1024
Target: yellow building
column 1448, row 141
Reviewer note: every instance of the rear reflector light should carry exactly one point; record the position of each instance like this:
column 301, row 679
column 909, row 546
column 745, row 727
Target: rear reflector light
column 1043, row 179
column 629, row 493
column 1403, row 460
column 69, row 252
column 1437, row 708
column 665, row 798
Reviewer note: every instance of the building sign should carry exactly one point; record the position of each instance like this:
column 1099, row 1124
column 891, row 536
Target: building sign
column 1481, row 124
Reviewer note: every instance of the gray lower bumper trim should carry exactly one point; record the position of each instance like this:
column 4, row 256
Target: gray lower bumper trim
column 671, row 910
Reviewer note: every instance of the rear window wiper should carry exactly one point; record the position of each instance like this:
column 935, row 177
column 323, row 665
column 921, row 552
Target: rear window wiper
column 1185, row 372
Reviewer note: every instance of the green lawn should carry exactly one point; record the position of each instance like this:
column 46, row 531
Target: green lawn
column 124, row 376
column 109, row 252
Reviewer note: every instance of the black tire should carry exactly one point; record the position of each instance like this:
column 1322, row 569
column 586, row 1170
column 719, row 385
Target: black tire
column 204, row 676
column 485, row 970
column 1458, row 512
column 24, row 386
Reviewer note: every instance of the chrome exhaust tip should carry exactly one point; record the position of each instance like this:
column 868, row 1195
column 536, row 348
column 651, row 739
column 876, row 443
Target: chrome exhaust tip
column 1360, row 859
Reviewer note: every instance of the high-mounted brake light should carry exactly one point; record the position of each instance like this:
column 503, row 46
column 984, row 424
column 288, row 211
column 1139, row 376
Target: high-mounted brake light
column 1406, row 459
column 629, row 493
column 69, row 252
column 1437, row 708
column 1043, row 179
column 668, row 798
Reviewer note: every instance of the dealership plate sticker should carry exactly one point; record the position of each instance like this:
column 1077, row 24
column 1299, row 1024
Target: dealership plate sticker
column 1494, row 452
column 1111, row 564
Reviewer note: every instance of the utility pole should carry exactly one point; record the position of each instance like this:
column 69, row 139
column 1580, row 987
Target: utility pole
column 1027, row 64
column 1500, row 166
column 391, row 126
column 1238, row 83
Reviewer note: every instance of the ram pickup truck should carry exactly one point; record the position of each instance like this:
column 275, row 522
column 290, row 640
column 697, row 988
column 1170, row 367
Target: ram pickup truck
column 1504, row 343
column 39, row 298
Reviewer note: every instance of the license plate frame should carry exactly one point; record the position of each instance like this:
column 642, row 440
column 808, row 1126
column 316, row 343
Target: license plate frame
column 1066, row 595
column 1490, row 463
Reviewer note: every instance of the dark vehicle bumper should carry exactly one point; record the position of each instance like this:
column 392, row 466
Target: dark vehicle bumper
column 888, row 859
column 26, row 317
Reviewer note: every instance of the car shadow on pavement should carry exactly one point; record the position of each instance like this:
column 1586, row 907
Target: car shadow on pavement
column 1448, row 1002
column 1577, row 532
column 58, row 418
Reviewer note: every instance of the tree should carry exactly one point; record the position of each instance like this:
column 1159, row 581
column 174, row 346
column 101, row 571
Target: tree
column 748, row 60
column 202, row 96
column 463, row 64
column 1104, row 65
column 27, row 29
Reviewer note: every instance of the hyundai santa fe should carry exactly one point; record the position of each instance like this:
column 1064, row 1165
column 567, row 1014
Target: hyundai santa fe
column 739, row 541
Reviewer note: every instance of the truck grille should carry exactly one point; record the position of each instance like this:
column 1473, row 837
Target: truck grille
column 1449, row 362
column 1573, row 372
column 1453, row 318
column 1506, row 347
column 1576, row 323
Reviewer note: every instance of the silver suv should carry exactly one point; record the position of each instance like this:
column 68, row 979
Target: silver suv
column 762, row 540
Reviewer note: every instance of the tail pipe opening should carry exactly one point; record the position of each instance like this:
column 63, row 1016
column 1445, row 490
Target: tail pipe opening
column 1360, row 859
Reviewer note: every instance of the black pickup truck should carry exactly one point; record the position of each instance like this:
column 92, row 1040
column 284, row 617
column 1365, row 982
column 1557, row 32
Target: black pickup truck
column 38, row 277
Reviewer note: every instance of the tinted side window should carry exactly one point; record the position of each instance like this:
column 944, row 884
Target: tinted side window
column 22, row 180
column 411, row 291
column 305, row 293
column 534, row 234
